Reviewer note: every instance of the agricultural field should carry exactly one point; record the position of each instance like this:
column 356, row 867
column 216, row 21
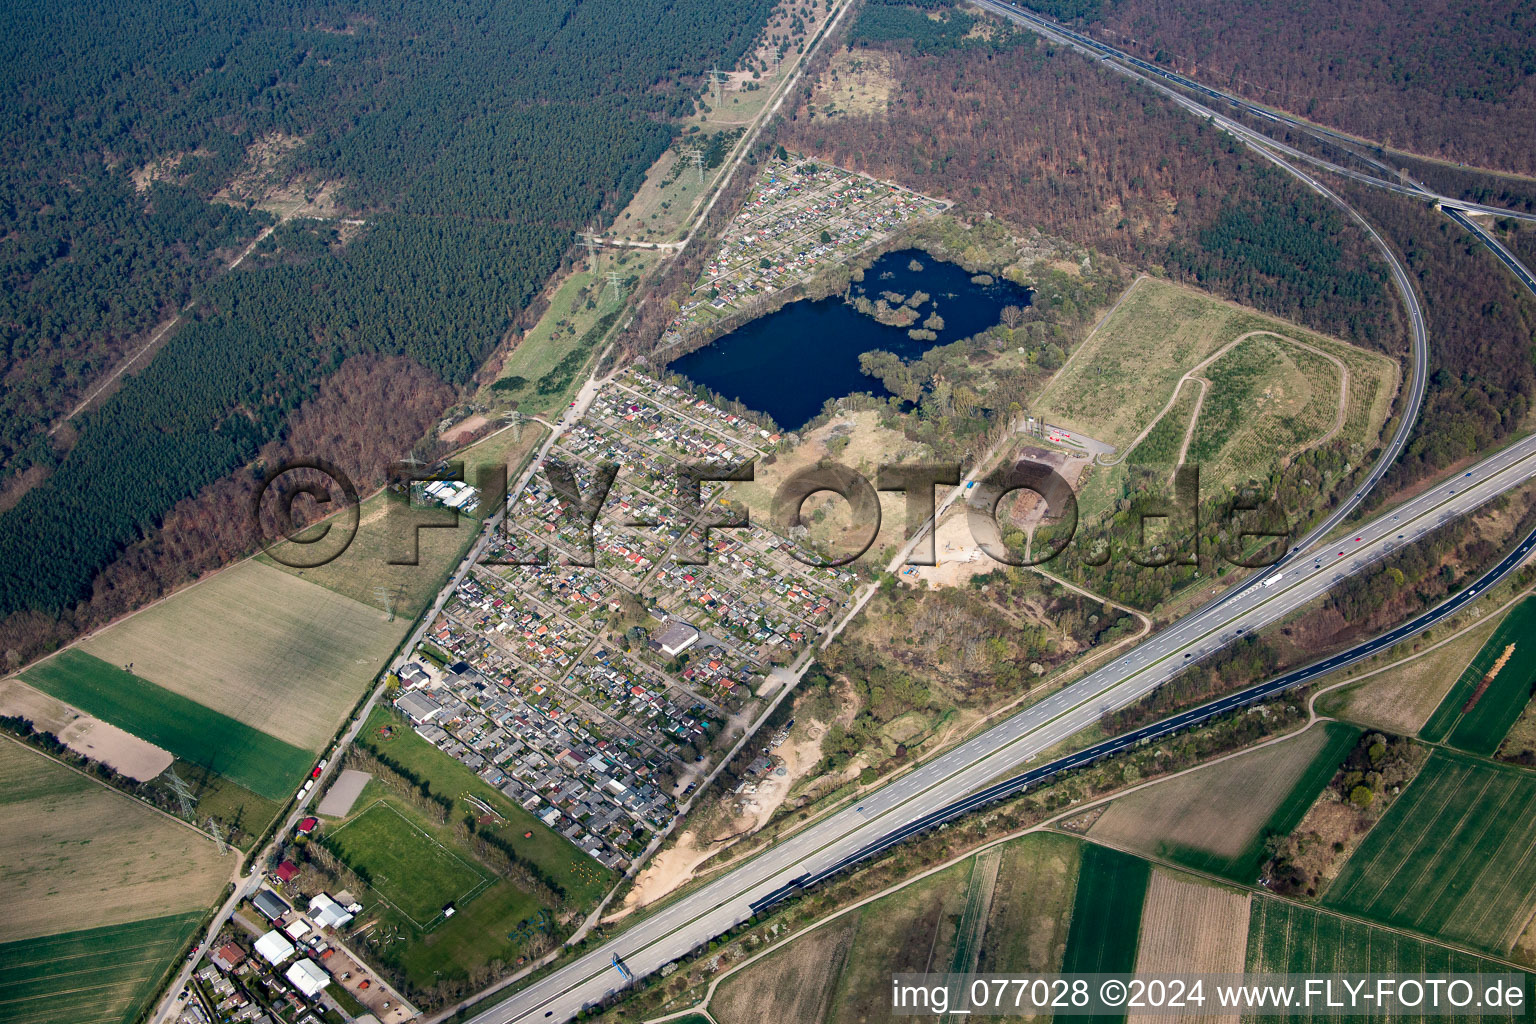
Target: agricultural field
column 1453, row 857
column 260, row 646
column 978, row 907
column 1106, row 915
column 418, row 875
column 1189, row 925
column 1031, row 905
column 364, row 574
column 94, row 976
column 581, row 876
column 76, row 853
column 1492, row 690
column 1274, row 388
column 1400, row 698
column 1288, row 938
column 191, row 731
column 910, row 931
column 793, row 984
column 1216, row 818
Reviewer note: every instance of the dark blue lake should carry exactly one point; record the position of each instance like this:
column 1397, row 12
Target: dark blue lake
column 788, row 363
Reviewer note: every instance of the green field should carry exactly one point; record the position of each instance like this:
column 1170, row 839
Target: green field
column 580, row 875
column 1244, row 867
column 1106, row 916
column 483, row 930
column 1481, row 729
column 415, row 868
column 405, row 865
column 1161, row 445
column 95, row 976
column 1285, row 938
column 542, row 372
column 1031, row 905
column 1454, row 857
column 228, row 801
column 1217, row 819
column 261, row 763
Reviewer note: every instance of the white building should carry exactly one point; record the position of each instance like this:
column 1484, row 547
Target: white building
column 274, row 947
column 308, row 978
column 327, row 913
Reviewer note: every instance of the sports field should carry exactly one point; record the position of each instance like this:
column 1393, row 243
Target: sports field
column 95, row 976
column 261, row 763
column 76, row 854
column 261, row 646
column 584, row 878
column 1286, row 938
column 1216, row 819
column 405, row 865
column 1454, row 856
column 1492, row 690
column 1106, row 916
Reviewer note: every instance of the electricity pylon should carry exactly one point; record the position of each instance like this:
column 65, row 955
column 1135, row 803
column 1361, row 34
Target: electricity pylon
column 182, row 793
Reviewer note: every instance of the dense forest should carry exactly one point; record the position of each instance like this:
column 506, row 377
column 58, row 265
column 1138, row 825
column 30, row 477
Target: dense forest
column 1454, row 79
column 1482, row 335
column 473, row 139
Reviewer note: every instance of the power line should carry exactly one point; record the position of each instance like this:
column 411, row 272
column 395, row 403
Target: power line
column 715, row 79
column 181, row 791
column 218, row 836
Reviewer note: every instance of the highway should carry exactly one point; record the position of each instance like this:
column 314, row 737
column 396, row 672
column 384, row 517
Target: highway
column 973, row 766
column 1184, row 720
column 965, row 777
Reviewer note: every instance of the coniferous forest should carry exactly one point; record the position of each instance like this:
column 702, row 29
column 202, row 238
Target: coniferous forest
column 473, row 139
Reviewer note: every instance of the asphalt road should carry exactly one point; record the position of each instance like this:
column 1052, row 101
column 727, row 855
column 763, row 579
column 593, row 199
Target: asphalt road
column 1260, row 691
column 939, row 786
column 964, row 778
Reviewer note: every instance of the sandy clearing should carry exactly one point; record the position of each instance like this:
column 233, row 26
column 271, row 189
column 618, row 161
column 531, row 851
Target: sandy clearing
column 75, row 854
column 464, row 428
column 274, row 651
column 675, row 866
column 343, row 793
column 100, row 741
column 1190, row 927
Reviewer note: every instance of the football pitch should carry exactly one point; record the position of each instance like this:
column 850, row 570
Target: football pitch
column 413, row 871
column 1454, row 857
